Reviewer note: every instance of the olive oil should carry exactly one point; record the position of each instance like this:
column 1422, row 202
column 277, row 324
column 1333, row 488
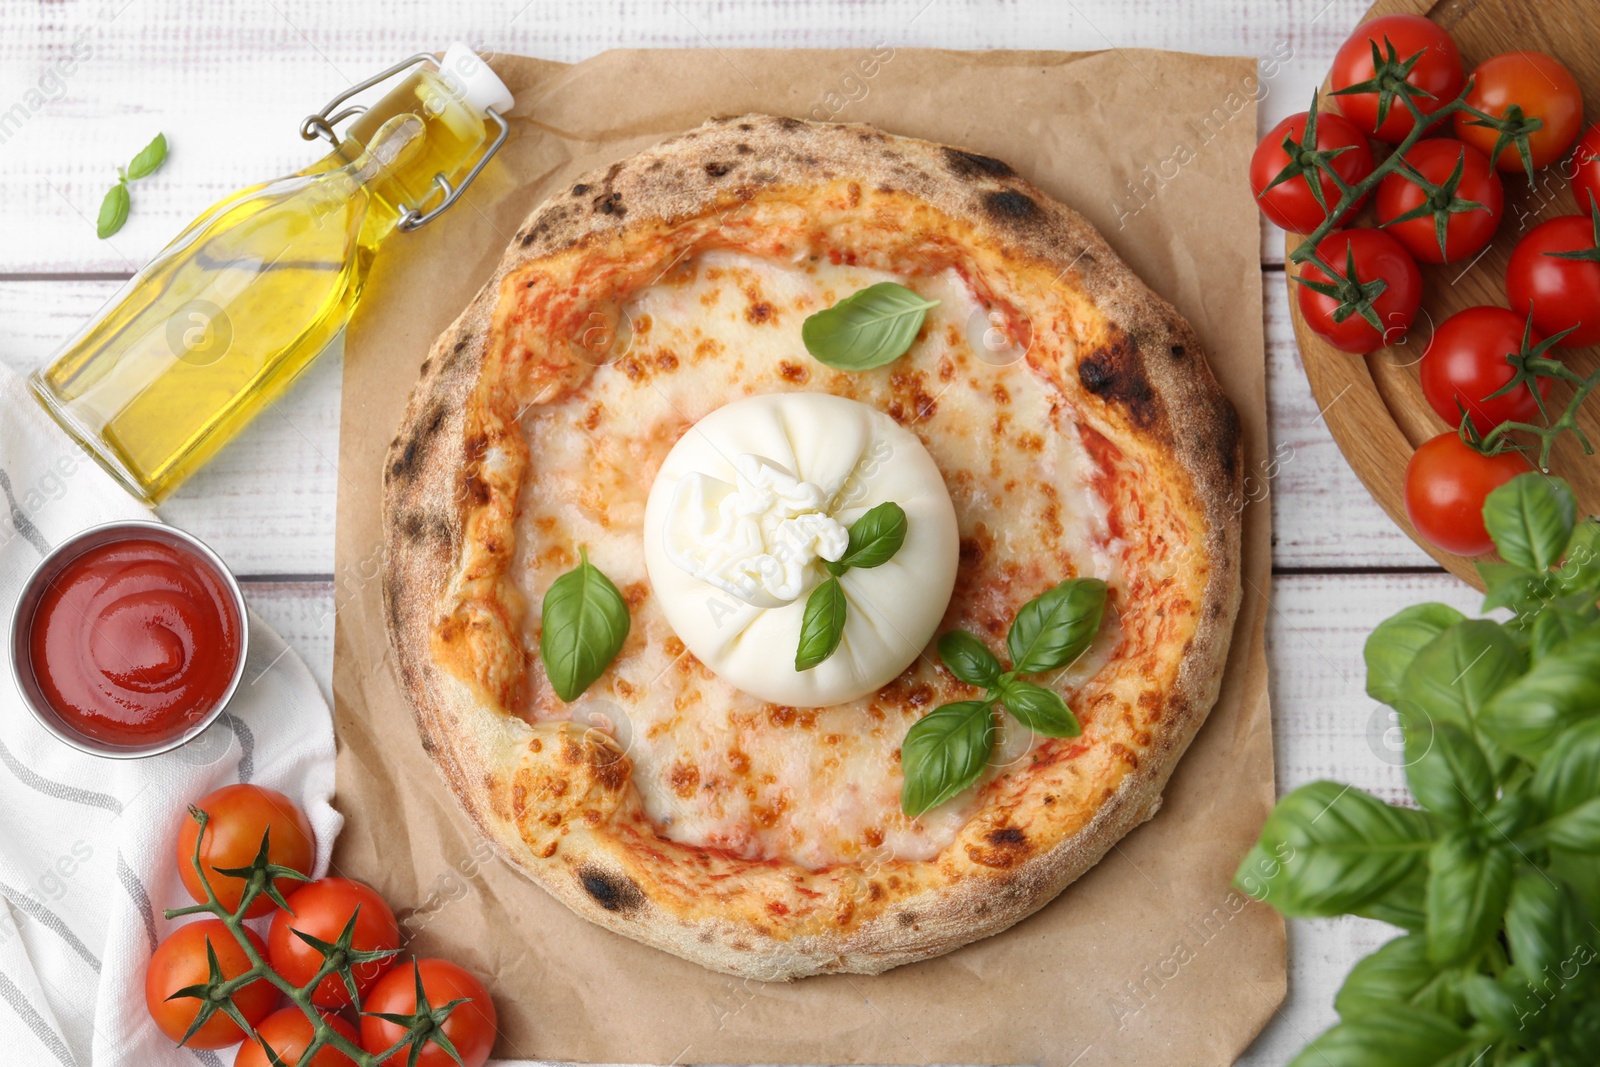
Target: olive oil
column 219, row 324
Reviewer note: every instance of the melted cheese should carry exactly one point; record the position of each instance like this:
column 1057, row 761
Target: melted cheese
column 716, row 766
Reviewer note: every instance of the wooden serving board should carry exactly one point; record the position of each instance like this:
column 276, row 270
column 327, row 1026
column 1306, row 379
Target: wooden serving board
column 1374, row 404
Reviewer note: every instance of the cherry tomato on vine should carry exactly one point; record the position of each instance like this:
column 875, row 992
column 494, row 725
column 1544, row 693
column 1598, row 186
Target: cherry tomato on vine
column 470, row 1027
column 180, row 961
column 321, row 909
column 240, row 814
column 1437, row 71
column 1466, row 363
column 1586, row 169
column 1466, row 231
column 1377, row 257
column 1539, row 87
column 1290, row 204
column 289, row 1033
column 1561, row 292
column 1446, row 484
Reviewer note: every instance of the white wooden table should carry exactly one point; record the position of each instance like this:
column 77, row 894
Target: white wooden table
column 229, row 83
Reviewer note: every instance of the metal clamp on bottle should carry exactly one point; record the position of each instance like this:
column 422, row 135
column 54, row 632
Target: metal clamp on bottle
column 467, row 74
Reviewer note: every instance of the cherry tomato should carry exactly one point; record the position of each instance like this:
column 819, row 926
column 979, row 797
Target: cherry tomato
column 1586, row 169
column 1446, row 483
column 289, row 1032
column 1378, row 256
column 1467, row 232
column 471, row 1027
column 1438, row 72
column 1290, row 204
column 1560, row 292
column 240, row 814
column 321, row 909
column 1466, row 362
column 1538, row 85
column 180, row 961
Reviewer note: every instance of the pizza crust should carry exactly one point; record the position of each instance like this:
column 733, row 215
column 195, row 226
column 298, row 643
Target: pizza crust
column 556, row 798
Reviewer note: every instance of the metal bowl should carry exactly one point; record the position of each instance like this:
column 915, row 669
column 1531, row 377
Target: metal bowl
column 47, row 571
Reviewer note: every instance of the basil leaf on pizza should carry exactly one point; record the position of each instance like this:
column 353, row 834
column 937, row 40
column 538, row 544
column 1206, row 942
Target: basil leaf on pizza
column 969, row 659
column 944, row 752
column 867, row 329
column 1054, row 628
column 874, row 538
column 1041, row 710
column 822, row 627
column 584, row 622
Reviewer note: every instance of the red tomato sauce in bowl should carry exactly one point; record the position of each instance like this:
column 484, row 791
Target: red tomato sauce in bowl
column 134, row 641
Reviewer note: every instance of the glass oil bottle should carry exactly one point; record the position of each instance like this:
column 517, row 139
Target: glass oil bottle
column 224, row 318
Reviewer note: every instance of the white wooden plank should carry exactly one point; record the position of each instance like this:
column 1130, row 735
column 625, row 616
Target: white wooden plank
column 302, row 614
column 84, row 85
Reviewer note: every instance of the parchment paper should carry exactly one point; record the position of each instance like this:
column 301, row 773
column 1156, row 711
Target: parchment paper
column 1150, row 958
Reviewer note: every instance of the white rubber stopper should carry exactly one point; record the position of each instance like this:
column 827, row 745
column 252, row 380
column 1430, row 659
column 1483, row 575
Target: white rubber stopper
column 472, row 78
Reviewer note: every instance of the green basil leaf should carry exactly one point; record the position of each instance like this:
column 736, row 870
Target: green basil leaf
column 1580, row 873
column 113, row 211
column 584, row 622
column 969, row 659
column 1531, row 519
column 1580, row 570
column 822, row 626
column 1396, row 1037
column 1451, row 776
column 875, row 537
column 1577, row 830
column 149, row 159
column 1039, row 709
column 1561, row 689
column 944, row 752
column 1569, row 776
column 1329, row 849
column 866, row 329
column 1456, row 673
column 1404, row 904
column 1395, row 975
column 1553, row 627
column 1396, row 642
column 1491, row 1004
column 1537, row 922
column 1055, row 628
column 1468, row 885
column 1510, row 585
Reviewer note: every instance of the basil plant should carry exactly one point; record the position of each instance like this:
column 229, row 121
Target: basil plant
column 1495, row 876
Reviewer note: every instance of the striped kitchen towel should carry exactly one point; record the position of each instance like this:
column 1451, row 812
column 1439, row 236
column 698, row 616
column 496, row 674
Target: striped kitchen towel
column 87, row 844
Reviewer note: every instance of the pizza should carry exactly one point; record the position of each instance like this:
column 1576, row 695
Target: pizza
column 1052, row 420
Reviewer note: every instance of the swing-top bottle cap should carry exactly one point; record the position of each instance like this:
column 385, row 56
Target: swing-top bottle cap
column 479, row 86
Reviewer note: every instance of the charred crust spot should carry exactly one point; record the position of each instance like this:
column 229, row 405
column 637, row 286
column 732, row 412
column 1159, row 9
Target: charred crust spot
column 1114, row 373
column 1010, row 206
column 717, row 168
column 742, row 148
column 971, row 165
column 610, row 204
column 788, row 124
column 579, row 189
column 413, row 527
column 746, row 127
column 1007, row 836
column 613, row 892
column 1177, row 352
column 1227, row 438
column 906, row 918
